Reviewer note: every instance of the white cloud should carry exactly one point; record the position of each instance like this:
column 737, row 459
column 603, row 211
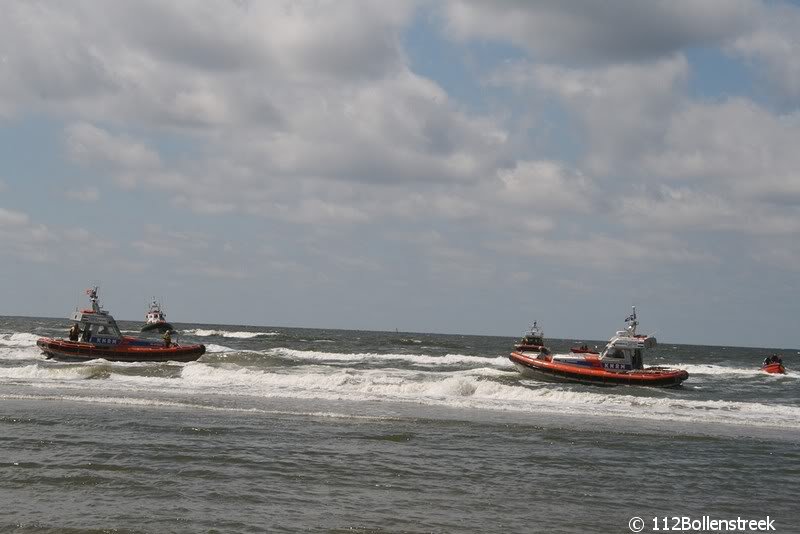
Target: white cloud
column 92, row 145
column 773, row 48
column 609, row 31
column 656, row 157
column 12, row 218
column 25, row 239
column 309, row 113
column 621, row 109
column 735, row 146
column 694, row 211
column 601, row 251
column 545, row 186
column 87, row 194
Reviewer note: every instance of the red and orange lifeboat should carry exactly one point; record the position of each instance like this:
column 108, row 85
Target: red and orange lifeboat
column 95, row 334
column 619, row 364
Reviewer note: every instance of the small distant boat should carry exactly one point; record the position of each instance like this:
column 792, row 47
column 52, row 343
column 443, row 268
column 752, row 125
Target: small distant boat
column 155, row 319
column 95, row 334
column 533, row 341
column 619, row 364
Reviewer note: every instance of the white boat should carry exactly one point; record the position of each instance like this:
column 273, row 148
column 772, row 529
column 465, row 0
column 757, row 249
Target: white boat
column 533, row 341
column 156, row 319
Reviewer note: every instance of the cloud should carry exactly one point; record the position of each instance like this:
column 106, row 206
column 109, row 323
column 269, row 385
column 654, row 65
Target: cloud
column 159, row 242
column 10, row 218
column 89, row 144
column 674, row 162
column 773, row 48
column 545, row 186
column 88, row 194
column 600, row 251
column 24, row 239
column 309, row 113
column 735, row 146
column 612, row 31
column 189, row 64
column 620, row 109
column 696, row 210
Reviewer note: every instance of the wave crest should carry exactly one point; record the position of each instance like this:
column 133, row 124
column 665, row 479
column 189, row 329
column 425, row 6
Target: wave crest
column 200, row 332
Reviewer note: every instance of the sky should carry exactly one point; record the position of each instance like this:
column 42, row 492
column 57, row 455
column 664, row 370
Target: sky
column 451, row 166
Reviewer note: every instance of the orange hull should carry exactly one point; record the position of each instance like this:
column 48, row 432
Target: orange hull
column 61, row 349
column 595, row 373
column 774, row 368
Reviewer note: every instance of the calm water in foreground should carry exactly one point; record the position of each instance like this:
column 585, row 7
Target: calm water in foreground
column 278, row 429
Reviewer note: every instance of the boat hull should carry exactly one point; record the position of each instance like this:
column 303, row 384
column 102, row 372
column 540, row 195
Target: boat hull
column 532, row 348
column 60, row 349
column 548, row 370
column 774, row 369
column 159, row 327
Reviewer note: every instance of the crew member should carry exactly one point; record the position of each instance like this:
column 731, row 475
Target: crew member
column 167, row 339
column 74, row 332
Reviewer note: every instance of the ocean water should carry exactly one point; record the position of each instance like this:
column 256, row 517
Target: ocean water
column 301, row 430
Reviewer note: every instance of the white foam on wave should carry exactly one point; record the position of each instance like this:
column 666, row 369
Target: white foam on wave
column 19, row 353
column 211, row 348
column 463, row 390
column 416, row 359
column 226, row 333
column 56, row 372
column 19, row 339
column 474, row 388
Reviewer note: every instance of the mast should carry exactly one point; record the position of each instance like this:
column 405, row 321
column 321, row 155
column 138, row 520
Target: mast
column 93, row 297
column 632, row 322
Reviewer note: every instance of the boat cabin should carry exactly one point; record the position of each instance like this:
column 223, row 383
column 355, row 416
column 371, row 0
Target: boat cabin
column 155, row 315
column 624, row 352
column 534, row 337
column 99, row 328
column 96, row 325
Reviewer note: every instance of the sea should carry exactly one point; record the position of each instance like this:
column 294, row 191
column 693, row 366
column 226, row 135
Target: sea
column 341, row 431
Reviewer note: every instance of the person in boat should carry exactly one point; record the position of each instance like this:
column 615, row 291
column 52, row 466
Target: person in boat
column 86, row 334
column 167, row 339
column 772, row 359
column 75, row 332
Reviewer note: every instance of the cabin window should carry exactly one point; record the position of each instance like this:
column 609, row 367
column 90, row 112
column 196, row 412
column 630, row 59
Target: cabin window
column 617, row 354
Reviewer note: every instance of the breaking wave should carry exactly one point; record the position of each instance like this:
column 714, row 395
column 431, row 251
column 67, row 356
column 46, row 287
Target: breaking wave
column 500, row 362
column 19, row 339
column 200, row 332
